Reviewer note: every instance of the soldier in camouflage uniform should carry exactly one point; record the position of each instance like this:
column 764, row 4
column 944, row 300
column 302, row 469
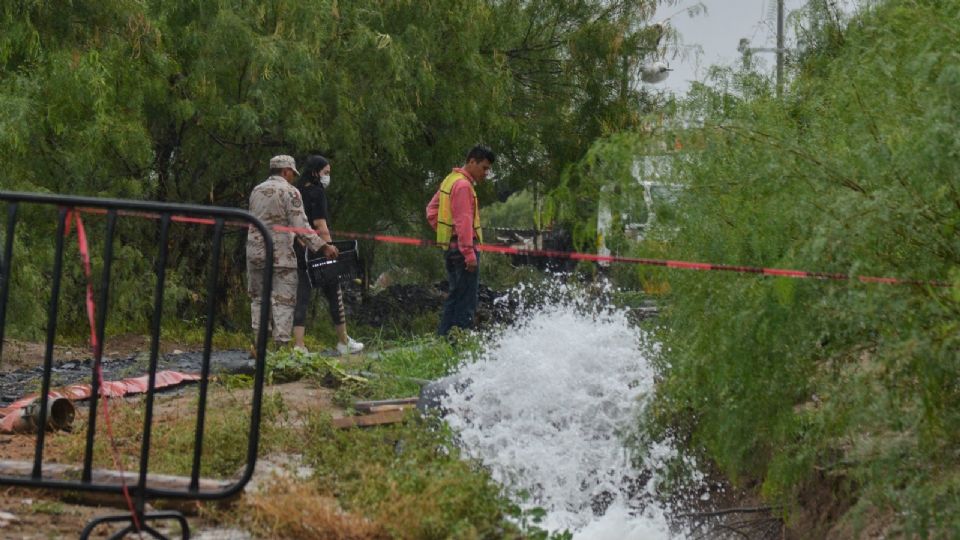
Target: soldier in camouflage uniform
column 277, row 202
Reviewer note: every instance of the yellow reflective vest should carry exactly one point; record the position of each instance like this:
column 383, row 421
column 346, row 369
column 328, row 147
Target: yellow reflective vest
column 445, row 224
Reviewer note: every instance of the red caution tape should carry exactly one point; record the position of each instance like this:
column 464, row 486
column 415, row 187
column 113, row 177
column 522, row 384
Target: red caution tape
column 685, row 265
column 91, row 315
column 577, row 256
column 72, row 216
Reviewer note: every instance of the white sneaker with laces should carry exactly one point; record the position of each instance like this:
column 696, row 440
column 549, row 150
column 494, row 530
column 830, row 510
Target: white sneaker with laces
column 350, row 347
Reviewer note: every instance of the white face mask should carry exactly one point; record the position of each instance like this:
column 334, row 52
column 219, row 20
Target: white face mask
column 325, row 180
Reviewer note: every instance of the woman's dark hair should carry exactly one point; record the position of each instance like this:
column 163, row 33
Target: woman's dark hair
column 311, row 166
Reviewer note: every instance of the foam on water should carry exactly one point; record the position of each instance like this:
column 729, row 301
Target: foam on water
column 545, row 407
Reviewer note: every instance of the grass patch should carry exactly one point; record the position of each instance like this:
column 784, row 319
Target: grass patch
column 406, row 481
column 52, row 508
column 226, row 433
column 409, row 479
column 294, row 509
column 399, row 370
column 191, row 334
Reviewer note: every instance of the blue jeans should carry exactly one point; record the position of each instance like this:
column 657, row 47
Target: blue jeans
column 461, row 303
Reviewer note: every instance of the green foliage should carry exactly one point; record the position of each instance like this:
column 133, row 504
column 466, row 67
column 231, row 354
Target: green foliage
column 397, row 371
column 500, row 274
column 185, row 101
column 236, row 381
column 403, row 264
column 289, row 365
column 853, row 172
column 193, row 332
column 517, row 212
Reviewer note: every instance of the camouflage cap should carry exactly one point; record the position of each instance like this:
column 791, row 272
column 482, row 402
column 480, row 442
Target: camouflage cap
column 284, row 162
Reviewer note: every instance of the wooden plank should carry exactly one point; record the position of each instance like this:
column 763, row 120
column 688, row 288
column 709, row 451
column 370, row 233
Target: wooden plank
column 367, row 420
column 369, row 405
column 385, row 408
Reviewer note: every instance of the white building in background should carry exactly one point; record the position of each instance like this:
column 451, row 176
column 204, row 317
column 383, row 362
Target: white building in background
column 655, row 189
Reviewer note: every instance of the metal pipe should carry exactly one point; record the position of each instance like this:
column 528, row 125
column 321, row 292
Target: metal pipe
column 779, row 47
column 59, row 416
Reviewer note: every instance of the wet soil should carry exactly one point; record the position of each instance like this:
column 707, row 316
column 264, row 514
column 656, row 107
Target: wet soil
column 66, row 370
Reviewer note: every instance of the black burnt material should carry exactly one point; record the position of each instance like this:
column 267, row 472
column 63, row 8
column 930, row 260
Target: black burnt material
column 403, row 302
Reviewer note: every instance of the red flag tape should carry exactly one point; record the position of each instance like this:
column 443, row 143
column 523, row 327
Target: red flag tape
column 573, row 255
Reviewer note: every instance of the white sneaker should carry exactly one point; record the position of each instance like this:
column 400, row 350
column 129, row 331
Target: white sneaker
column 301, row 350
column 350, row 347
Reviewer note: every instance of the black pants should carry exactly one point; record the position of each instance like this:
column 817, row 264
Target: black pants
column 461, row 303
column 305, row 293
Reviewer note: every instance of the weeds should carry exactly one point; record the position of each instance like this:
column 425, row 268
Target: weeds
column 293, row 509
column 226, row 434
column 409, row 478
column 53, row 508
column 398, row 371
column 289, row 365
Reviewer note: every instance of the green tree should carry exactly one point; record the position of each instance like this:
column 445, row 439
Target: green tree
column 185, row 101
column 800, row 383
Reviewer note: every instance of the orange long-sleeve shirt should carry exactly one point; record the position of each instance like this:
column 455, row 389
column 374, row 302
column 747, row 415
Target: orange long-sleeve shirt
column 461, row 208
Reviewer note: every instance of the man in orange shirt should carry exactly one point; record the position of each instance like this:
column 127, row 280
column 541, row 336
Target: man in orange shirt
column 454, row 213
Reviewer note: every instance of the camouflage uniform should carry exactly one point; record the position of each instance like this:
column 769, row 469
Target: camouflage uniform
column 277, row 202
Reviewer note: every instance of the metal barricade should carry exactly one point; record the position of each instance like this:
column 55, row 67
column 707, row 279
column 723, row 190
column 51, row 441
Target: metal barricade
column 140, row 491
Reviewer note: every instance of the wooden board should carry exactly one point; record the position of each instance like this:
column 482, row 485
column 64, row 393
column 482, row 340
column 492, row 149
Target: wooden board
column 374, row 419
column 385, row 408
column 372, row 406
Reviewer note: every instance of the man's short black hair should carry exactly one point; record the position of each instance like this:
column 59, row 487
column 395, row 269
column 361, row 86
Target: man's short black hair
column 481, row 153
column 276, row 172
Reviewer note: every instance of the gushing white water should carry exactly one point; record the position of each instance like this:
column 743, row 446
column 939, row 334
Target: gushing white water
column 544, row 408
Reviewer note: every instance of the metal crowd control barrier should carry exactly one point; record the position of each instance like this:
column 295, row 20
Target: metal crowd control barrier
column 139, row 490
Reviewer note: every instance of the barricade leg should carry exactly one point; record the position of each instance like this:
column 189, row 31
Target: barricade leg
column 144, row 528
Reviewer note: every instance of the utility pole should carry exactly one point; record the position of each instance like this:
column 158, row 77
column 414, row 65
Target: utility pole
column 779, row 48
column 745, row 48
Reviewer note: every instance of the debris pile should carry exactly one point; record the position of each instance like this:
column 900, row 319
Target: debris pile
column 399, row 303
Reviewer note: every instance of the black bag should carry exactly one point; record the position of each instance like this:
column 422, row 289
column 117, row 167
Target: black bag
column 321, row 270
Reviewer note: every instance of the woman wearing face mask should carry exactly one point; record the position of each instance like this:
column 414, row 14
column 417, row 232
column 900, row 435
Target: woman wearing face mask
column 314, row 179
